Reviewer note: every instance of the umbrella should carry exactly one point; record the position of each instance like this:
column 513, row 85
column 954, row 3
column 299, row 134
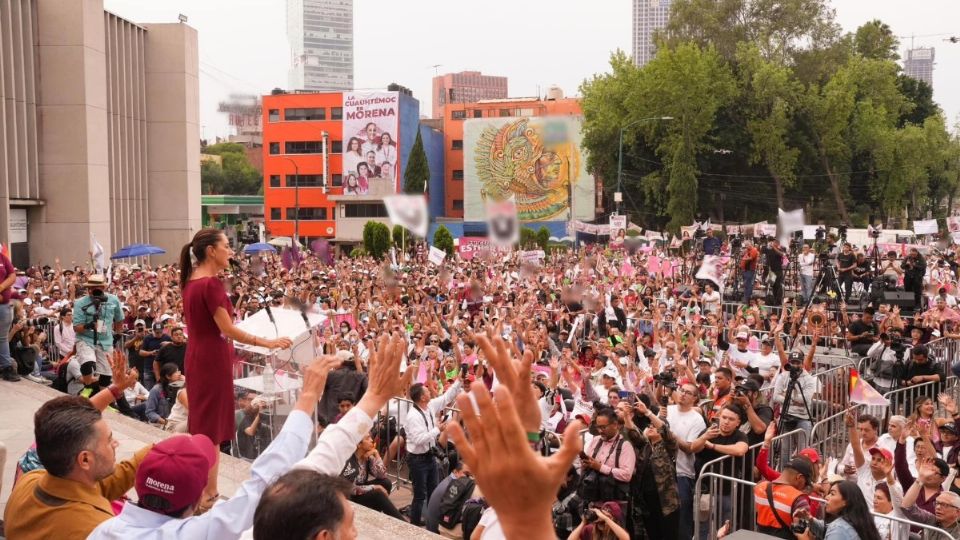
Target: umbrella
column 137, row 250
column 281, row 241
column 258, row 247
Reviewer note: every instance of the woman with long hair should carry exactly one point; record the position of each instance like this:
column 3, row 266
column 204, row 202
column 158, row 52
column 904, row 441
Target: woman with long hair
column 209, row 359
column 848, row 516
column 386, row 150
column 363, row 178
column 351, row 186
column 353, row 155
column 923, row 418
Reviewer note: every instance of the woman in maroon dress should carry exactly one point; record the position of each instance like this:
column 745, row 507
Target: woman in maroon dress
column 209, row 360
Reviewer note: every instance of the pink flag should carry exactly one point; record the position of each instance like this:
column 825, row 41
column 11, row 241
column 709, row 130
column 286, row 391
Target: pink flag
column 862, row 392
column 626, row 269
column 653, row 264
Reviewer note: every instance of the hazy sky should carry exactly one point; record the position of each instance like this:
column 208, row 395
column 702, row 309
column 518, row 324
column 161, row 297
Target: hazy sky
column 536, row 43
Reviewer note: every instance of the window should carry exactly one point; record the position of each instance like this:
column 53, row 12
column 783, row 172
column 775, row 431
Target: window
column 458, row 204
column 458, row 174
column 304, row 114
column 337, row 180
column 274, row 115
column 275, row 214
column 304, row 180
column 307, row 214
column 336, row 113
column 477, row 113
column 506, row 112
column 274, row 180
column 303, row 147
column 456, row 144
column 274, row 148
column 458, row 115
column 364, row 210
column 336, row 147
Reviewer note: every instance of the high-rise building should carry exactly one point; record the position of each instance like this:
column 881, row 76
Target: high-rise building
column 466, row 87
column 648, row 17
column 102, row 131
column 321, row 44
column 919, row 64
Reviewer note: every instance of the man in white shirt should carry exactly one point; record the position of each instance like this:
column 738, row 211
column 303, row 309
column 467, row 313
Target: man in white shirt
column 740, row 356
column 687, row 424
column 422, row 431
column 806, row 259
column 711, row 299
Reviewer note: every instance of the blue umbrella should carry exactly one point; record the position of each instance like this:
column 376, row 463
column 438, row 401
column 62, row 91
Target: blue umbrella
column 259, row 247
column 137, row 250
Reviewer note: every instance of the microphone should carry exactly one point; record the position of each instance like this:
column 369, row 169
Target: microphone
column 235, row 265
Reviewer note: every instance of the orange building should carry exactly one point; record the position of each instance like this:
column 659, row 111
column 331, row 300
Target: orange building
column 454, row 115
column 293, row 126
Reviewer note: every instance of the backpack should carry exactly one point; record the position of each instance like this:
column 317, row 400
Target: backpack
column 60, row 382
column 470, row 517
column 451, row 504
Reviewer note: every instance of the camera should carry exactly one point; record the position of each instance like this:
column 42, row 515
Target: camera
column 589, row 516
column 667, row 379
column 97, row 296
column 800, row 526
column 39, row 321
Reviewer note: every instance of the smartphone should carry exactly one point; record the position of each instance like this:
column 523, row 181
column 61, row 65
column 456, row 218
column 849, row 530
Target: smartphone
column 583, row 455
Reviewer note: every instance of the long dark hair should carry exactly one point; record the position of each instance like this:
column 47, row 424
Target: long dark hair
column 201, row 241
column 856, row 512
column 166, row 371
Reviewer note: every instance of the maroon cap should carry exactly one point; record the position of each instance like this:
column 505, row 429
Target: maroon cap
column 176, row 470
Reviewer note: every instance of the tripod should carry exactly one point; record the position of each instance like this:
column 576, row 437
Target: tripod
column 826, row 280
column 785, row 418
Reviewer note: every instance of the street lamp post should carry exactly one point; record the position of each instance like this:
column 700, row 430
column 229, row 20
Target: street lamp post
column 296, row 202
column 620, row 156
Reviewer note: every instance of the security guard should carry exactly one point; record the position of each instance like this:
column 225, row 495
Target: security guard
column 778, row 501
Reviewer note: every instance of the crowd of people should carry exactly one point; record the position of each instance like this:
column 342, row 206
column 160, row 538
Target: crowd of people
column 611, row 378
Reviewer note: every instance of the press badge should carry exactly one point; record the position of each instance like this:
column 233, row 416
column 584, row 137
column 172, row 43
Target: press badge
column 100, row 326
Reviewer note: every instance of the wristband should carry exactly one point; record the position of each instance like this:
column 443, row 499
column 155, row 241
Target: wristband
column 533, row 437
column 116, row 391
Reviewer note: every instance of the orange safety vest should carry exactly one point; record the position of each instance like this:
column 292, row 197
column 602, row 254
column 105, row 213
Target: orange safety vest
column 784, row 497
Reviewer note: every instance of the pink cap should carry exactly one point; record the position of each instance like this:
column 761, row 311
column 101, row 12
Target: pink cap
column 176, row 470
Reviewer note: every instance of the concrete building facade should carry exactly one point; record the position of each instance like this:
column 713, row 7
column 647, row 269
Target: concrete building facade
column 101, row 131
column 648, row 17
column 919, row 64
column 320, row 33
column 465, row 87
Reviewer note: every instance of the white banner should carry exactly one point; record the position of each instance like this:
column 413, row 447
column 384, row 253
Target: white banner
column 409, row 211
column 926, row 226
column 789, row 222
column 534, row 257
column 436, row 255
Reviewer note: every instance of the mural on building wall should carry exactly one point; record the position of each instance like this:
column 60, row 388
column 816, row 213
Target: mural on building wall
column 538, row 160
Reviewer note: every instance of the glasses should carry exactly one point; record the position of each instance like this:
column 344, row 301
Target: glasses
column 688, row 393
column 946, row 505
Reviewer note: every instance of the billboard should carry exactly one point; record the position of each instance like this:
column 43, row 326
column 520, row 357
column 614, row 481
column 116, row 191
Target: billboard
column 371, row 158
column 537, row 160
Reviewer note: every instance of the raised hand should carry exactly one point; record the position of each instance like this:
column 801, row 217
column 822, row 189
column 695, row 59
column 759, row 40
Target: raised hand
column 515, row 375
column 515, row 487
column 123, row 376
column 383, row 377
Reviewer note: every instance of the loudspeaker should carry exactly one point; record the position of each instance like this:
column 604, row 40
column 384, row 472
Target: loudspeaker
column 903, row 299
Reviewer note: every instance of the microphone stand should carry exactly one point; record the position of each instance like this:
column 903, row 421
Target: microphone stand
column 237, row 270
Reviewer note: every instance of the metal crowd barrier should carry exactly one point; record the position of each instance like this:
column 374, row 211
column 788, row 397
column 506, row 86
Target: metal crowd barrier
column 903, row 400
column 834, row 389
column 742, row 520
column 738, row 504
column 945, row 350
column 830, row 435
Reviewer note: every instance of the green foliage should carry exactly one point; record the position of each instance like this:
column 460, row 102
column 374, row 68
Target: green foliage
column 234, row 177
column 543, row 237
column 400, row 236
column 376, row 238
column 773, row 106
column 442, row 239
column 528, row 238
column 417, row 174
column 358, row 252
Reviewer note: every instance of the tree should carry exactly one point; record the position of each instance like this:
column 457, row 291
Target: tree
column 875, row 40
column 528, row 238
column 920, row 95
column 442, row 239
column 543, row 237
column 417, row 174
column 400, row 236
column 376, row 239
column 234, row 177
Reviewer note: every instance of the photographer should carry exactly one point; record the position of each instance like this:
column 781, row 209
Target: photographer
column 846, row 262
column 807, row 258
column 887, row 366
column 774, row 254
column 96, row 317
column 796, row 368
column 721, row 439
column 758, row 415
column 922, row 369
column 607, row 464
column 862, row 333
column 914, row 268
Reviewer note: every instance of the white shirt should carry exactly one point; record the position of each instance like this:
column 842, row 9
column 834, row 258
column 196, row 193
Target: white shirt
column 229, row 519
column 686, row 426
column 491, row 525
column 740, row 360
column 130, row 394
column 806, row 263
column 766, row 364
column 711, row 302
column 421, row 425
column 65, row 338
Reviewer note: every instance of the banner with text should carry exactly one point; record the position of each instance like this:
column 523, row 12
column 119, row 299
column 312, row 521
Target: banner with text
column 371, row 158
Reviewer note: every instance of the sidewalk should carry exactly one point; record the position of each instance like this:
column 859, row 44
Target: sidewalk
column 19, row 401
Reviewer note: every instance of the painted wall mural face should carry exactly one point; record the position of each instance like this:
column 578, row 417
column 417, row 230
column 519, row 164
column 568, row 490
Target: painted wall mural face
column 536, row 160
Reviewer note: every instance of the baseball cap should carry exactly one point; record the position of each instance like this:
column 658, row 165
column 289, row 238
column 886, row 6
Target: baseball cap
column 811, row 454
column 803, row 466
column 949, row 426
column 158, row 325
column 749, row 385
column 139, row 322
column 883, row 452
column 174, row 473
column 743, row 335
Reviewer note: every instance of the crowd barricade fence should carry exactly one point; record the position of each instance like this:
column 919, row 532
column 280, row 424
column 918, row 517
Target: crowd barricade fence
column 724, row 508
column 903, row 400
column 830, row 435
column 833, row 386
column 739, row 501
